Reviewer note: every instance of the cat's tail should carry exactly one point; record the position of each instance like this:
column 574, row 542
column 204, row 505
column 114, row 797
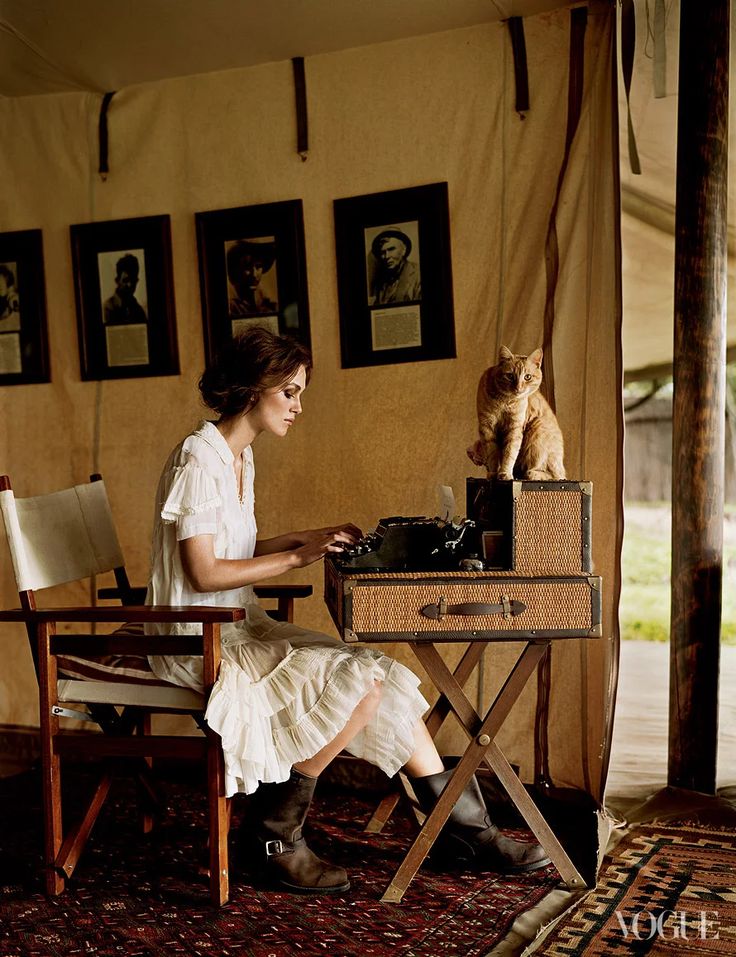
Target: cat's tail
column 475, row 453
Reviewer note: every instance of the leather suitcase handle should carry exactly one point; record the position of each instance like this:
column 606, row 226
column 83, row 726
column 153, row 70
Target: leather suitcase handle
column 505, row 607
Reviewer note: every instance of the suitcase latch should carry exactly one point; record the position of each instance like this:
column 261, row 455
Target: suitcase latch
column 437, row 611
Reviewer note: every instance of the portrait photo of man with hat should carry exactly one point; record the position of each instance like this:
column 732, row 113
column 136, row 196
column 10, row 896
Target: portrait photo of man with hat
column 252, row 277
column 392, row 275
column 9, row 301
column 122, row 307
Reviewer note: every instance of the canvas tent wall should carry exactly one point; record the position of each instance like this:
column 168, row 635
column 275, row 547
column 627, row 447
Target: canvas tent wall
column 374, row 441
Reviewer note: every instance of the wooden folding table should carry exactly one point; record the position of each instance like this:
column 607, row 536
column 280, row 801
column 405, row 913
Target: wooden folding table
column 426, row 610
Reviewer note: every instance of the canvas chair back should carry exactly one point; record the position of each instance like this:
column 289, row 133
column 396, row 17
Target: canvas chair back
column 60, row 537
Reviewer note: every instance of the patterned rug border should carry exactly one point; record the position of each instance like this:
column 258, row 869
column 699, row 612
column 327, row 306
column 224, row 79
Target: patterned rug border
column 675, row 875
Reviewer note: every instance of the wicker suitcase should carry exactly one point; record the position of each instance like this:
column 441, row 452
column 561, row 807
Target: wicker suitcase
column 460, row 606
column 532, row 528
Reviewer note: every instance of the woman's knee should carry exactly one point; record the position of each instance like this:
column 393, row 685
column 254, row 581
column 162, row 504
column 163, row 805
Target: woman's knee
column 368, row 705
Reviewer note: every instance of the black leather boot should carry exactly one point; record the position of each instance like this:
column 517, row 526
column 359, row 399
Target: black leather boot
column 270, row 840
column 469, row 838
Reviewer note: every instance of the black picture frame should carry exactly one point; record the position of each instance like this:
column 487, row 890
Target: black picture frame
column 394, row 276
column 234, row 246
column 24, row 347
column 120, row 337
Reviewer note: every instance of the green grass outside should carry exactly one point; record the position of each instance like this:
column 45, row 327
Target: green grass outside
column 645, row 563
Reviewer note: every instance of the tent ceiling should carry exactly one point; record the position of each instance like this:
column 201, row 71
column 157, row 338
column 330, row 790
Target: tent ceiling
column 52, row 47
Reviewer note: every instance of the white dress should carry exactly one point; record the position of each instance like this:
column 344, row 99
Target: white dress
column 283, row 691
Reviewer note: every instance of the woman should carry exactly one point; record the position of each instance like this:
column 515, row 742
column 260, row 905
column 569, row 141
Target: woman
column 287, row 700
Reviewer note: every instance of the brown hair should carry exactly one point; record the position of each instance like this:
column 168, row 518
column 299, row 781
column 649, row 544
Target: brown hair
column 255, row 361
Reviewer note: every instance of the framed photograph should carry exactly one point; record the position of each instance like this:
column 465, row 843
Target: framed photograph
column 126, row 318
column 252, row 270
column 24, row 349
column 394, row 277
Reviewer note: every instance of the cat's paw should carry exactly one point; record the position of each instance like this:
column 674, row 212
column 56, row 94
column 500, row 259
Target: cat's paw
column 505, row 476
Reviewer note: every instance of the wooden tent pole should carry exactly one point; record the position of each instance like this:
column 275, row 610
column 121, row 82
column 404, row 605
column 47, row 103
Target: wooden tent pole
column 698, row 417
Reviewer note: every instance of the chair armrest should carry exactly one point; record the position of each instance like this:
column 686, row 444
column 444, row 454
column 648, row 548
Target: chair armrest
column 137, row 593
column 205, row 614
column 285, row 591
column 284, row 596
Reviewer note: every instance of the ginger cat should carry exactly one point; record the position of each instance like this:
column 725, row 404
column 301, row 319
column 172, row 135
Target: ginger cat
column 519, row 434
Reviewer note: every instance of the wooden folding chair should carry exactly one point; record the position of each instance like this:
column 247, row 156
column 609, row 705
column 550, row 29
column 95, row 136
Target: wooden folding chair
column 68, row 536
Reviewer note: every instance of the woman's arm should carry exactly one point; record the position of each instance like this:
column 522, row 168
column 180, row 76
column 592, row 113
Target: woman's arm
column 292, row 540
column 207, row 573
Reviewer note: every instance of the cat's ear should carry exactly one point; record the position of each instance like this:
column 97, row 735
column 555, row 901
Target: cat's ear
column 536, row 357
column 505, row 354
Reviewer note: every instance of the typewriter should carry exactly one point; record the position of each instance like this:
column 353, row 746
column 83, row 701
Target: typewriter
column 412, row 544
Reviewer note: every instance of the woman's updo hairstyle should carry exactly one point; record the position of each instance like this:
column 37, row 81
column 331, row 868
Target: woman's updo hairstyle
column 255, row 361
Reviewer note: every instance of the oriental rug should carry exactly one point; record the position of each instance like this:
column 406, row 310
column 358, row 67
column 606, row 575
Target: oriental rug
column 136, row 896
column 665, row 891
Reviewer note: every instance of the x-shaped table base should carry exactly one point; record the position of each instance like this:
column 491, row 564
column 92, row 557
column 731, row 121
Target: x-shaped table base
column 482, row 748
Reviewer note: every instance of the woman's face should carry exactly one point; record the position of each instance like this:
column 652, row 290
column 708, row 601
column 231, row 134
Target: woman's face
column 277, row 409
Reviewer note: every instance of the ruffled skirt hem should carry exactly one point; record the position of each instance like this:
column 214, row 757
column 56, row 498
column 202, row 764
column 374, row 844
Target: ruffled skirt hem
column 268, row 725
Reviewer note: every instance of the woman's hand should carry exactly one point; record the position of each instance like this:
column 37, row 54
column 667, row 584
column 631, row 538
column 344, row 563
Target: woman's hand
column 320, row 541
column 315, row 538
column 351, row 534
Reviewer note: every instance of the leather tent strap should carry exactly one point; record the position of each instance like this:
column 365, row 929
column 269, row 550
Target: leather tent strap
column 300, row 94
column 102, row 134
column 440, row 609
column 660, row 49
column 521, row 73
column 628, row 49
column 578, row 25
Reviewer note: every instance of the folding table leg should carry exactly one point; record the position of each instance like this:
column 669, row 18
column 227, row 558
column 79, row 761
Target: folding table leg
column 519, row 675
column 383, row 812
column 530, row 812
column 423, row 842
column 462, row 672
column 433, row 721
column 481, row 732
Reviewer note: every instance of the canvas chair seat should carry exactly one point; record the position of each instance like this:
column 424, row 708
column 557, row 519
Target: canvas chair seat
column 164, row 697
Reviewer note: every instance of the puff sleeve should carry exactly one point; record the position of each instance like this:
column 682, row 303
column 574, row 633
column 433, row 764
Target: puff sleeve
column 192, row 502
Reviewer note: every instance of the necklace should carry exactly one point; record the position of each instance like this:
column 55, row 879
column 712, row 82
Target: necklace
column 239, row 478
